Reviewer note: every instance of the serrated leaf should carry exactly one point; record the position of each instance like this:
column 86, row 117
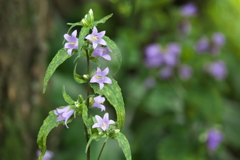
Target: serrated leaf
column 115, row 50
column 66, row 97
column 114, row 95
column 78, row 78
column 103, row 20
column 84, row 31
column 48, row 124
column 59, row 58
column 124, row 144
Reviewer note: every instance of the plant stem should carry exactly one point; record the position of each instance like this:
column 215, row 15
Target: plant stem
column 88, row 93
column 101, row 150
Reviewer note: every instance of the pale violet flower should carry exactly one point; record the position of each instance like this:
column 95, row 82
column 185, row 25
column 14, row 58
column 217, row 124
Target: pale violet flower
column 103, row 123
column 47, row 156
column 185, row 72
column 72, row 42
column 214, row 139
column 96, row 38
column 153, row 58
column 189, row 10
column 102, row 52
column 98, row 102
column 217, row 69
column 64, row 114
column 166, row 73
column 100, row 77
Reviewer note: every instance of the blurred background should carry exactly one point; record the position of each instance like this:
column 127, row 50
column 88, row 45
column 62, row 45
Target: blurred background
column 179, row 77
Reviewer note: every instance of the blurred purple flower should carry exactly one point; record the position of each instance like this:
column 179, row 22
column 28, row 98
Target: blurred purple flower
column 152, row 56
column 202, row 45
column 149, row 82
column 103, row 123
column 102, row 52
column 189, row 10
column 166, row 73
column 96, row 38
column 218, row 39
column 214, row 138
column 47, row 156
column 72, row 42
column 98, row 102
column 64, row 114
column 170, row 55
column 217, row 70
column 100, row 77
column 185, row 72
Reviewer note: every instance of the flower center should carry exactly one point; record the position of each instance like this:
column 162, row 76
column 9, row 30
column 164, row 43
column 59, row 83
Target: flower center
column 104, row 124
column 99, row 77
column 94, row 38
column 72, row 43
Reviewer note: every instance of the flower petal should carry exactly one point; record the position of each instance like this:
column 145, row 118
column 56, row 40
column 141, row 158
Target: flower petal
column 101, row 85
column 105, row 71
column 107, row 57
column 111, row 122
column 101, row 34
column 94, row 31
column 74, row 33
column 96, row 125
column 106, row 117
column 98, row 118
column 107, row 80
column 102, row 42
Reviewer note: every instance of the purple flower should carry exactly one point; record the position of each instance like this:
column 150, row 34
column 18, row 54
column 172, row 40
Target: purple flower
column 218, row 39
column 189, row 10
column 96, row 38
column 217, row 70
column 153, row 58
column 47, row 156
column 166, row 72
column 202, row 45
column 72, row 42
column 102, row 52
column 170, row 55
column 185, row 72
column 185, row 27
column 97, row 102
column 100, row 77
column 64, row 114
column 103, row 123
column 214, row 138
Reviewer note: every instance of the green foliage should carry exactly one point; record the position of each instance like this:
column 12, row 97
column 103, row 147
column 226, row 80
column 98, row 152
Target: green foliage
column 59, row 58
column 66, row 97
column 124, row 144
column 113, row 94
column 103, row 20
column 114, row 48
column 84, row 31
column 48, row 124
column 78, row 78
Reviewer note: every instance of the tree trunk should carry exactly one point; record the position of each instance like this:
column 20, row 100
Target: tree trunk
column 23, row 50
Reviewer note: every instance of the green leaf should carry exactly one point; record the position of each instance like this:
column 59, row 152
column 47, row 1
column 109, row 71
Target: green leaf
column 84, row 31
column 88, row 19
column 59, row 58
column 86, row 120
column 113, row 94
column 66, row 97
column 124, row 144
column 115, row 50
column 95, row 137
column 103, row 20
column 78, row 78
column 48, row 124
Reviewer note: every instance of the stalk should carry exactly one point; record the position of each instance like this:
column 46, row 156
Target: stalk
column 101, row 150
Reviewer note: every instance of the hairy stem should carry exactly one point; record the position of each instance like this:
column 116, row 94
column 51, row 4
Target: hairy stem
column 101, row 150
column 88, row 93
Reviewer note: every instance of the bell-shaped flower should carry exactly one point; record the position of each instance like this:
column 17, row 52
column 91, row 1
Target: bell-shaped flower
column 102, row 52
column 100, row 77
column 153, row 58
column 214, row 138
column 189, row 10
column 103, row 123
column 64, row 114
column 72, row 42
column 98, row 102
column 96, row 38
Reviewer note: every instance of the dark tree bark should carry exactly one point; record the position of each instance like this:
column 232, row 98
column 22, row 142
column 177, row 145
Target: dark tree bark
column 23, row 50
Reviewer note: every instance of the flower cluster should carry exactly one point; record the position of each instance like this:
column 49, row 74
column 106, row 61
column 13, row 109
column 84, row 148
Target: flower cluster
column 64, row 114
column 100, row 76
column 167, row 60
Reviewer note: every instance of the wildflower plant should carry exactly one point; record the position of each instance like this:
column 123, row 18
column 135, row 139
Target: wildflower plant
column 101, row 87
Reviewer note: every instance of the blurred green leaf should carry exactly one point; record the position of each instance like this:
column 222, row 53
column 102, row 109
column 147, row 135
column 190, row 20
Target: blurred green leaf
column 66, row 97
column 124, row 144
column 84, row 31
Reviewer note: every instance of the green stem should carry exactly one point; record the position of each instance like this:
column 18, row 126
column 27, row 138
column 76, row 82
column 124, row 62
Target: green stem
column 88, row 93
column 101, row 150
